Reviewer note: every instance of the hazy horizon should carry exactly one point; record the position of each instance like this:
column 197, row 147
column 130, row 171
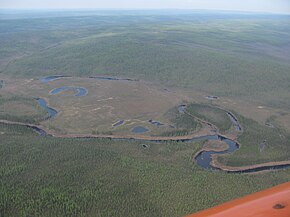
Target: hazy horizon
column 260, row 6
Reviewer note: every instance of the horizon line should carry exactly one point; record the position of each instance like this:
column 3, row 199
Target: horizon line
column 143, row 9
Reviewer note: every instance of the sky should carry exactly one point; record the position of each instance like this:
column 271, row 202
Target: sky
column 271, row 6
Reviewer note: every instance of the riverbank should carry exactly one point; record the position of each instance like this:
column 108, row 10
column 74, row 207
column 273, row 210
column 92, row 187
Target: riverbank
column 231, row 169
column 188, row 138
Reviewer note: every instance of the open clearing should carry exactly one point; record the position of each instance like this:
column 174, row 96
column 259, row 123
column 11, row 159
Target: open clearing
column 106, row 102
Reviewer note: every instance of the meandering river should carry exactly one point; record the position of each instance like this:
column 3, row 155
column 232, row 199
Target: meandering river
column 203, row 159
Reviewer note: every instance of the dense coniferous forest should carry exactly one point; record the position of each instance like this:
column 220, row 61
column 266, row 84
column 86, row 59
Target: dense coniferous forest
column 99, row 177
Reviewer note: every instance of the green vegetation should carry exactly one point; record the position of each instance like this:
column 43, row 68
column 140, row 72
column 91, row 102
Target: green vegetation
column 87, row 177
column 20, row 109
column 183, row 123
column 236, row 57
column 214, row 115
column 277, row 146
column 241, row 56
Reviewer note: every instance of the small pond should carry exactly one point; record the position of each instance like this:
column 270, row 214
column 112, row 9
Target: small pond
column 80, row 91
column 212, row 97
column 155, row 123
column 139, row 129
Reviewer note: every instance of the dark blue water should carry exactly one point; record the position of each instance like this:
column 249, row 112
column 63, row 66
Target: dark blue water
column 205, row 157
column 155, row 123
column 139, row 129
column 118, row 123
column 234, row 121
column 80, row 91
column 41, row 132
column 53, row 78
column 56, row 77
column 263, row 168
column 112, row 78
column 52, row 112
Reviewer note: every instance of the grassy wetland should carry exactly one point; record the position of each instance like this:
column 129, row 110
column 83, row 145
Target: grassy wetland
column 139, row 69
